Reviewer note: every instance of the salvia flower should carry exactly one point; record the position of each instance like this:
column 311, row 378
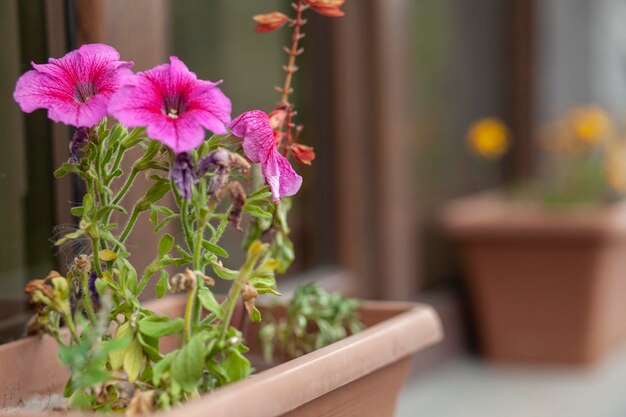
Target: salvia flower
column 327, row 7
column 77, row 88
column 304, row 154
column 173, row 104
column 270, row 21
column 259, row 146
column 184, row 174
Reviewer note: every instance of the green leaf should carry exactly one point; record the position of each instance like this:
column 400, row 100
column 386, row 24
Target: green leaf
column 134, row 137
column 107, row 255
column 208, row 301
column 116, row 356
column 257, row 211
column 154, row 194
column 260, row 194
column 165, row 244
column 159, row 326
column 224, row 273
column 67, row 168
column 164, row 223
column 263, row 281
column 133, row 360
column 150, row 347
column 254, row 315
column 187, row 366
column 237, row 366
column 161, row 366
column 70, row 236
column 163, row 284
column 212, row 247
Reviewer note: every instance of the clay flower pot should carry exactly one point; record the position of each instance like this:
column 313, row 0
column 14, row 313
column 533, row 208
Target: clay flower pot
column 357, row 376
column 546, row 284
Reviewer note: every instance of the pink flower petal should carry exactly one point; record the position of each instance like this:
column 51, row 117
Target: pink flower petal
column 280, row 176
column 76, row 88
column 259, row 146
column 173, row 105
column 258, row 137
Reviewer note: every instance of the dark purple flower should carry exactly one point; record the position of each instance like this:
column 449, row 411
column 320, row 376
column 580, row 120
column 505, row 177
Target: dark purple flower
column 184, row 174
column 93, row 292
column 78, row 143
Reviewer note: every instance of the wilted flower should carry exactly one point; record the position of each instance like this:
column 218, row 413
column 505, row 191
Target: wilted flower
column 77, row 88
column 183, row 173
column 237, row 200
column 270, row 21
column 173, row 105
column 224, row 160
column 93, row 292
column 260, row 147
column 327, row 7
column 489, row 137
column 249, row 295
column 183, row 281
column 78, row 143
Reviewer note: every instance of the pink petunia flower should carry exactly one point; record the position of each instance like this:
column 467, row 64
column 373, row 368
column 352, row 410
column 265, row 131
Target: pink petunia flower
column 173, row 105
column 75, row 89
column 260, row 147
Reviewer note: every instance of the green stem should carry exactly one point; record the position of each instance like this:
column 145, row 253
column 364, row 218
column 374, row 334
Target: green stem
column 220, row 230
column 144, row 281
column 87, row 299
column 69, row 322
column 198, row 247
column 184, row 219
column 231, row 302
column 95, row 242
column 129, row 181
column 129, row 226
column 191, row 298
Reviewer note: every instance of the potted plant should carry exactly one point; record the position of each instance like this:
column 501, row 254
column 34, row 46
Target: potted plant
column 105, row 350
column 544, row 262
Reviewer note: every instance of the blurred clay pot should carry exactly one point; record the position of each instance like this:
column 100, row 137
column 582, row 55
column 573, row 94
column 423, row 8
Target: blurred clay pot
column 360, row 375
column 547, row 285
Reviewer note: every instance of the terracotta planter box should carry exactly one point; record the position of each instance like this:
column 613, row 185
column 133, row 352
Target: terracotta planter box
column 546, row 284
column 358, row 376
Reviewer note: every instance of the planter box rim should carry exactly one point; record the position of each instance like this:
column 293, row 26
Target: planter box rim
column 491, row 215
column 412, row 327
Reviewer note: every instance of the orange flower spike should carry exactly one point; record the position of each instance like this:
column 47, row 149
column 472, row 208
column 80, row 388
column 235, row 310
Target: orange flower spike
column 327, row 7
column 269, row 22
column 304, row 154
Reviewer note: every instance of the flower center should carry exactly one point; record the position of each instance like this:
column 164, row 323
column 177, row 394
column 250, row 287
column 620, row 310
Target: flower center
column 173, row 106
column 84, row 90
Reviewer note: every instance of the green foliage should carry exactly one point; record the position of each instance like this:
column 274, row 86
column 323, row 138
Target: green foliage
column 114, row 353
column 315, row 318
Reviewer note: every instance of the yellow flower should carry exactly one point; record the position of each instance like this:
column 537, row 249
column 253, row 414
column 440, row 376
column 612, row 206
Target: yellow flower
column 590, row 124
column 488, row 137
